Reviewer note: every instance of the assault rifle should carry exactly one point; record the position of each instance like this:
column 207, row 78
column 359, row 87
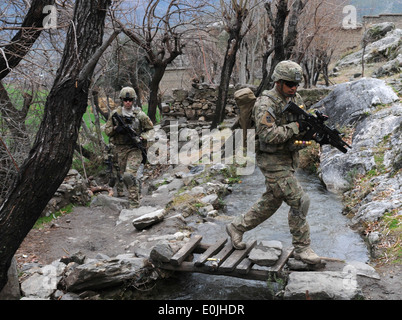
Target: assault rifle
column 316, row 129
column 135, row 139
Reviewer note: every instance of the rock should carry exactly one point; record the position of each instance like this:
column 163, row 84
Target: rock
column 391, row 67
column 149, row 219
column 11, row 290
column 378, row 132
column 373, row 238
column 130, row 214
column 378, row 31
column 210, row 199
column 72, row 190
column 77, row 257
column 162, row 252
column 378, row 50
column 327, row 285
column 97, row 274
column 116, row 204
column 197, row 190
column 43, row 284
column 362, row 269
column 266, row 253
column 353, row 101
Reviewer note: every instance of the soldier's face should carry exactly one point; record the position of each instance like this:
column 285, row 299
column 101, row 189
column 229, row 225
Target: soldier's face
column 286, row 88
column 128, row 103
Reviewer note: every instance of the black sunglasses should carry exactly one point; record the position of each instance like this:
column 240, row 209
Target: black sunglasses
column 290, row 84
column 128, row 99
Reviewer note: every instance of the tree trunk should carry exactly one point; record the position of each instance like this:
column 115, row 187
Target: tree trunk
column 230, row 60
column 278, row 45
column 51, row 155
column 154, row 90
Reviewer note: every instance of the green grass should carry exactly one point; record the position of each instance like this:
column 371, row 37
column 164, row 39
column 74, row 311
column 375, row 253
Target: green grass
column 158, row 115
column 45, row 220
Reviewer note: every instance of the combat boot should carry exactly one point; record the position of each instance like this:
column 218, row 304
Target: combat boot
column 307, row 255
column 236, row 236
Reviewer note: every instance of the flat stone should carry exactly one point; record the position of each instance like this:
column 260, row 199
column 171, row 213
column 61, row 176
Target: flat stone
column 266, row 253
column 327, row 285
column 148, row 219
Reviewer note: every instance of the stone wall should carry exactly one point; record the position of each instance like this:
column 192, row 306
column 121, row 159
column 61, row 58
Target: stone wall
column 197, row 104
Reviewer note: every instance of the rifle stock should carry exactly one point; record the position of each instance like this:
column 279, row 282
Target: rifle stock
column 317, row 130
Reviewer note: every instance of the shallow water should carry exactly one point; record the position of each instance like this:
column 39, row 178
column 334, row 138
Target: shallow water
column 330, row 235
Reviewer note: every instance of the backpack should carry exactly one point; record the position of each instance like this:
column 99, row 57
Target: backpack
column 245, row 100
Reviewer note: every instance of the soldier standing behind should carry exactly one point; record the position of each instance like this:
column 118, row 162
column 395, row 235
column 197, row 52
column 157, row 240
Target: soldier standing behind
column 128, row 157
column 277, row 157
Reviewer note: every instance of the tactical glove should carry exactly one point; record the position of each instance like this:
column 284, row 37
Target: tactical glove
column 119, row 129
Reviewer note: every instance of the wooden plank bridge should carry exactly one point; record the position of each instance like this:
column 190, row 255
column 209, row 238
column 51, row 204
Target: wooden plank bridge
column 221, row 258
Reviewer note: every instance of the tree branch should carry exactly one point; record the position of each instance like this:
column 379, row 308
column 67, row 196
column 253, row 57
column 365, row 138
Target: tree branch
column 90, row 65
column 24, row 39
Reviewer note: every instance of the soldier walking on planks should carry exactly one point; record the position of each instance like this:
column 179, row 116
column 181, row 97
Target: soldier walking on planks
column 277, row 157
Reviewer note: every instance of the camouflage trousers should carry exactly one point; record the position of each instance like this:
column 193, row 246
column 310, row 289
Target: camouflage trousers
column 280, row 186
column 128, row 161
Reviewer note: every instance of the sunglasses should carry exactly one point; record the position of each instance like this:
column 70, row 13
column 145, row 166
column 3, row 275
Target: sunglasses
column 128, row 99
column 290, row 84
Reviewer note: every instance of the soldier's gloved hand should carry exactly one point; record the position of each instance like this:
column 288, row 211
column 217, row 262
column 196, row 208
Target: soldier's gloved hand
column 303, row 125
column 119, row 129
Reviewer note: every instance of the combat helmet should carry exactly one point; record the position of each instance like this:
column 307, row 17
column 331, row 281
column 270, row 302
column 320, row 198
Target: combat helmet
column 127, row 93
column 288, row 71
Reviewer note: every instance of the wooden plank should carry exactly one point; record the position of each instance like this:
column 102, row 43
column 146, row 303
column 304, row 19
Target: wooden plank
column 213, row 249
column 282, row 260
column 220, row 257
column 236, row 257
column 244, row 266
column 186, row 266
column 185, row 251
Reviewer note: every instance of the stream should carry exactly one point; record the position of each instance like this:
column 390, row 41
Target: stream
column 330, row 237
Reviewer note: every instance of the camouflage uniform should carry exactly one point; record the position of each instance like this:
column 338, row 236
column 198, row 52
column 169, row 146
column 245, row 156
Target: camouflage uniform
column 277, row 157
column 127, row 158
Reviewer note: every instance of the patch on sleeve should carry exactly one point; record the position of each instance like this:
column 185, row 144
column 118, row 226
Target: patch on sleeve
column 267, row 120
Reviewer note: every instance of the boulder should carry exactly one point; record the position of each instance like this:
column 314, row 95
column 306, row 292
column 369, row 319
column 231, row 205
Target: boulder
column 43, row 283
column 378, row 133
column 101, row 274
column 327, row 285
column 353, row 101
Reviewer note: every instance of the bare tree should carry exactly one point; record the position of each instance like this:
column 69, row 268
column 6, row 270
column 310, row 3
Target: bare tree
column 162, row 36
column 318, row 38
column 50, row 157
column 284, row 39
